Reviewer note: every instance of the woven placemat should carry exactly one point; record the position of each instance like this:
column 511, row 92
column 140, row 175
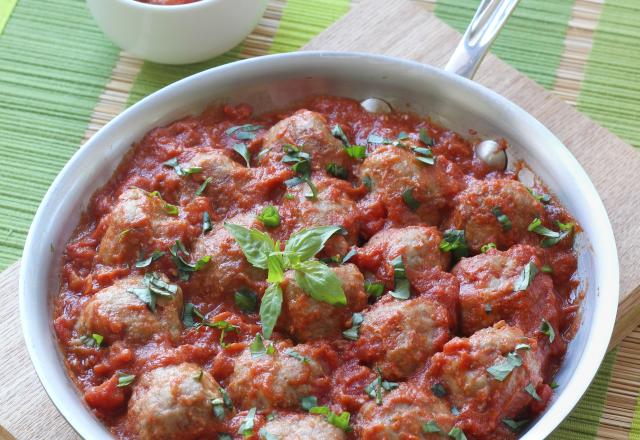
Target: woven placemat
column 61, row 80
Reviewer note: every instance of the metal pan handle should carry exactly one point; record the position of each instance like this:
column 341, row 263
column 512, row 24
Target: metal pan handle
column 476, row 41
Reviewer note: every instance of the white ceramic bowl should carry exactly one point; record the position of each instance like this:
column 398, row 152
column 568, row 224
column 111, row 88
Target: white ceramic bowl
column 177, row 34
column 273, row 82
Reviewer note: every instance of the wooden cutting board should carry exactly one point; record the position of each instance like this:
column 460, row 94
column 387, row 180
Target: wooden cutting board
column 407, row 30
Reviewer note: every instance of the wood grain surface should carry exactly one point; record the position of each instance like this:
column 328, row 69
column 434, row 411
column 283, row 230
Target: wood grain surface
column 407, row 30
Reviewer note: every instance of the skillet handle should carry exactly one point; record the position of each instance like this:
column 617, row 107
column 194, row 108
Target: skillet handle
column 476, row 41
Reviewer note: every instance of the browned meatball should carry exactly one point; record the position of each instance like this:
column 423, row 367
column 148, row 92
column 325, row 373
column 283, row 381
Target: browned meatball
column 478, row 208
column 394, row 170
column 308, row 319
column 228, row 269
column 402, row 415
column 117, row 314
column 139, row 221
column 280, row 380
column 398, row 337
column 172, row 402
column 308, row 131
column 475, row 379
column 301, row 427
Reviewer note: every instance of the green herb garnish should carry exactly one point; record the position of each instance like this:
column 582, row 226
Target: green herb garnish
column 501, row 369
column 270, row 217
column 502, row 218
column 353, row 333
column 156, row 255
column 401, row 288
column 407, row 196
column 526, row 277
column 243, row 151
column 454, row 241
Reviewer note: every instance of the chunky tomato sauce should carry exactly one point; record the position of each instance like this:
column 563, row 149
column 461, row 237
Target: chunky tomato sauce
column 458, row 293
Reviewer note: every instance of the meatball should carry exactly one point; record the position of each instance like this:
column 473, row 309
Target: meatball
column 302, row 427
column 392, row 171
column 281, row 379
column 485, row 376
column 398, row 337
column 479, row 207
column 417, row 245
column 487, row 292
column 332, row 206
column 173, row 401
column 308, row 319
column 139, row 220
column 308, row 131
column 116, row 314
column 228, row 269
column 402, row 414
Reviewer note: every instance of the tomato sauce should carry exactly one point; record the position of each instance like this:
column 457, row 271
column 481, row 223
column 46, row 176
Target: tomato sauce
column 86, row 270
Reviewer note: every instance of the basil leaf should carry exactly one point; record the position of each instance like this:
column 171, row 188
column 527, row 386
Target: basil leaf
column 243, row 132
column 206, row 222
column 455, row 411
column 501, row 369
column 513, row 425
column 203, row 186
column 257, row 347
column 246, row 427
column 457, row 434
column 401, row 288
column 320, row 282
column 542, row 198
column 546, row 269
column 525, row 347
column 438, row 390
column 340, row 421
column 552, row 237
column 486, row 247
column 338, row 133
column 125, row 380
column 188, row 315
column 377, row 139
column 373, row 289
column 173, row 163
column 270, row 217
column 270, row 308
column 430, row 427
column 308, row 242
column 156, row 255
column 353, row 333
column 375, row 388
column 337, row 171
column 532, row 392
column 218, row 407
column 256, row 245
column 224, row 436
column 349, row 255
column 407, row 196
column 402, row 136
column 366, row 181
column 554, row 385
column 308, row 402
column 424, row 155
column 276, row 267
column 93, row 341
column 547, row 329
column 145, row 295
column 356, row 151
column 298, row 356
column 526, row 277
column 502, row 218
column 454, row 241
column 246, row 300
column 265, row 435
column 243, row 151
column 184, row 267
column 425, row 138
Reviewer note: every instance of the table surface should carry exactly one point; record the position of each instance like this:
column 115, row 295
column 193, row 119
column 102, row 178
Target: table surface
column 62, row 82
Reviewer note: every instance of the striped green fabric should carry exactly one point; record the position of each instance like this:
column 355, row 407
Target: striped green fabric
column 532, row 40
column 6, row 8
column 54, row 63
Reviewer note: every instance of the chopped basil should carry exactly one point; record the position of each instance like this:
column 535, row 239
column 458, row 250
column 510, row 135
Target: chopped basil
column 454, row 241
column 203, row 186
column 337, row 171
column 526, row 277
column 265, row 435
column 92, row 341
column 455, row 411
column 425, row 138
column 366, row 181
column 224, row 436
column 185, row 268
column 246, row 427
column 298, row 356
column 153, row 286
column 457, row 434
column 246, row 300
column 513, row 425
column 543, row 198
column 218, row 407
column 525, row 347
column 551, row 237
column 356, row 151
column 173, row 163
column 424, row 155
column 530, row 389
column 485, row 247
column 554, row 385
column 156, row 255
column 257, row 347
column 438, row 389
column 206, row 222
column 547, row 329
column 270, row 308
column 401, row 289
column 340, row 421
column 243, row 132
column 243, row 151
column 338, row 133
column 190, row 313
column 546, row 269
column 301, row 165
column 353, row 333
column 407, row 196
column 501, row 369
column 377, row 139
column 375, row 388
column 374, row 290
column 402, row 136
column 168, row 207
column 348, row 256
column 125, row 380
column 308, row 402
column 488, row 308
column 502, row 218
column 430, row 426
column 270, row 217
column 289, row 196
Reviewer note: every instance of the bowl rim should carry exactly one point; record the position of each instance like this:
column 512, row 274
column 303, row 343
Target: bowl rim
column 605, row 307
column 196, row 4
